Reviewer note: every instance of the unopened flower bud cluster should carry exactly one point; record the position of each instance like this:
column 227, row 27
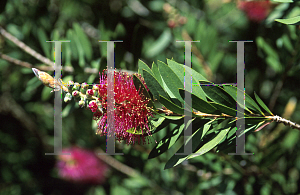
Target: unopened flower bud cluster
column 85, row 97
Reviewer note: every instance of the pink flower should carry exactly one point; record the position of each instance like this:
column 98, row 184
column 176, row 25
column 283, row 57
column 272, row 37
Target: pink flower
column 255, row 10
column 81, row 166
column 131, row 110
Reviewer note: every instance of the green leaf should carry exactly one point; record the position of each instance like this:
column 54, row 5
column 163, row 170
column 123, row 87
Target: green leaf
column 249, row 102
column 68, row 54
column 143, row 66
column 74, row 52
column 168, row 141
column 156, row 73
column 218, row 95
column 251, row 123
column 225, row 109
column 262, row 104
column 199, row 104
column 160, row 44
column 46, row 93
column 267, row 48
column 211, row 144
column 287, row 43
column 156, row 123
column 140, row 86
column 274, row 63
column 154, row 86
column 79, row 49
column 196, row 139
column 196, row 75
column 135, row 131
column 105, row 35
column 170, row 117
column 290, row 21
column 171, row 80
column 179, row 70
column 68, row 109
column 46, row 46
column 84, row 41
column 283, row 1
column 120, row 30
column 171, row 106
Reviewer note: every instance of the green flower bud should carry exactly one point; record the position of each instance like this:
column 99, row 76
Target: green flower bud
column 70, row 84
column 68, row 98
column 84, row 87
column 81, row 103
column 76, row 86
column 95, row 89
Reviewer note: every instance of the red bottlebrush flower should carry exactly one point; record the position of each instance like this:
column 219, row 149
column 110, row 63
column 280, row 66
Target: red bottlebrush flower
column 97, row 115
column 130, row 108
column 81, row 166
column 255, row 10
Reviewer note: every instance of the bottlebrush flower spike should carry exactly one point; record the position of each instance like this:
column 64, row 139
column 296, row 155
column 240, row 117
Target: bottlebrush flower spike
column 131, row 111
column 82, row 166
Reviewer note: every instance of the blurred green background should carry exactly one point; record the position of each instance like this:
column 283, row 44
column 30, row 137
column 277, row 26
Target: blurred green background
column 149, row 30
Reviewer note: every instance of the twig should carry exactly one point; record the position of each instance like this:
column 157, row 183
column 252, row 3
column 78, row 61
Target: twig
column 286, row 122
column 69, row 69
column 27, row 49
column 116, row 164
column 129, row 171
column 15, row 61
column 276, row 118
column 204, row 115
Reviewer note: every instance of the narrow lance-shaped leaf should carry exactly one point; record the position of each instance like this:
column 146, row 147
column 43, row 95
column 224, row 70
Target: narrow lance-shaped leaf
column 195, row 138
column 143, row 66
column 200, row 104
column 217, row 94
column 156, row 73
column 249, row 102
column 140, row 86
column 290, row 21
column 171, row 79
column 168, row 141
column 171, row 106
column 180, row 69
column 154, row 86
column 211, row 144
column 262, row 104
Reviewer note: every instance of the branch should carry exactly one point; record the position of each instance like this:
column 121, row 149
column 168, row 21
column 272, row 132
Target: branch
column 48, row 62
column 26, row 48
column 286, row 122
